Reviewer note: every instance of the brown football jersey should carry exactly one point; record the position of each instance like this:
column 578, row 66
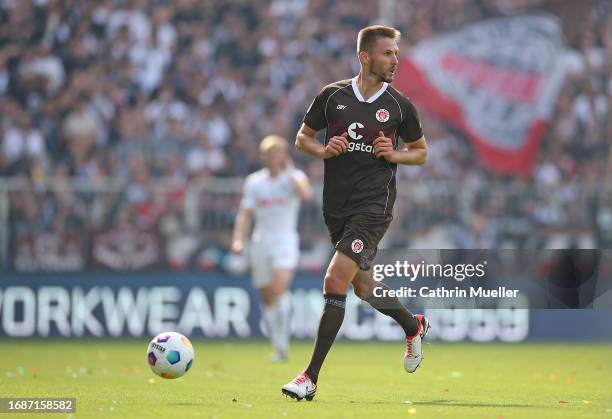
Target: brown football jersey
column 357, row 181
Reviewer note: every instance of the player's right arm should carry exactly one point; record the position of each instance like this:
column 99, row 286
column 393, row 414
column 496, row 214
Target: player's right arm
column 241, row 229
column 306, row 143
column 244, row 216
column 315, row 120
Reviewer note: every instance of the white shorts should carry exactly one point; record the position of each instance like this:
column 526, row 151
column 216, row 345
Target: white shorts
column 267, row 256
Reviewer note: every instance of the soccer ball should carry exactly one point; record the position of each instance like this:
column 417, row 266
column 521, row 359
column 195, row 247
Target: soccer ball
column 170, row 355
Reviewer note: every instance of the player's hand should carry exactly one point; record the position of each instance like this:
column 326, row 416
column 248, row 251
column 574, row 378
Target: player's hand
column 289, row 168
column 383, row 146
column 288, row 164
column 237, row 247
column 335, row 146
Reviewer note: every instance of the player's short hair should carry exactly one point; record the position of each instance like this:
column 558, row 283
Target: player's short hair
column 368, row 36
column 273, row 141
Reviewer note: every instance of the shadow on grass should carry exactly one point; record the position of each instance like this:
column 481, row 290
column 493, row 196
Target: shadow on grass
column 459, row 403
column 464, row 403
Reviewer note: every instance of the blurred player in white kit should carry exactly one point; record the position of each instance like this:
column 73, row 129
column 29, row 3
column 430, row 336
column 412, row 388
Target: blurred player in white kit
column 272, row 196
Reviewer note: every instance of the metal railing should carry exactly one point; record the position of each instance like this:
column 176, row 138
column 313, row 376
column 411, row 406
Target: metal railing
column 60, row 219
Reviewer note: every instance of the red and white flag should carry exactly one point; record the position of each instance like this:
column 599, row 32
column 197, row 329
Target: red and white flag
column 496, row 80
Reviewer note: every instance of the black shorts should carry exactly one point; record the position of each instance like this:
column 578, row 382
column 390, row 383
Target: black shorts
column 357, row 236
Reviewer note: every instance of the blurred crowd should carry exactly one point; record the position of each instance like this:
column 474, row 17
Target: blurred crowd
column 159, row 96
column 567, row 201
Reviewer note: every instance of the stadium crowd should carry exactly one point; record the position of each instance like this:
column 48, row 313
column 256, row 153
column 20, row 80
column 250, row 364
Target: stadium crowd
column 160, row 96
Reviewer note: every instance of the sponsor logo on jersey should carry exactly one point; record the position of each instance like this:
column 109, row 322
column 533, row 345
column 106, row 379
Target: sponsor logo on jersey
column 368, row 148
column 382, row 115
column 341, row 107
column 272, row 202
column 352, row 130
column 357, row 246
column 354, row 135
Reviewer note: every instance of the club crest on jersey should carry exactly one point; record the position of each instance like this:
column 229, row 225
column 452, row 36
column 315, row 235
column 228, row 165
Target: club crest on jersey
column 382, row 115
column 357, row 246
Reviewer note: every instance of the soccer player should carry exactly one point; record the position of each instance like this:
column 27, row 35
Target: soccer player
column 364, row 118
column 272, row 195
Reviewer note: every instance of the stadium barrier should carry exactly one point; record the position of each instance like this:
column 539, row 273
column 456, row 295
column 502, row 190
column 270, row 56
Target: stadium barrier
column 76, row 226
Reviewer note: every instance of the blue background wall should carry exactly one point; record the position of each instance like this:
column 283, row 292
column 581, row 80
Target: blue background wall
column 215, row 305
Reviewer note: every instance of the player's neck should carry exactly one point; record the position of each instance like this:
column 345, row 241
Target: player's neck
column 368, row 85
column 273, row 171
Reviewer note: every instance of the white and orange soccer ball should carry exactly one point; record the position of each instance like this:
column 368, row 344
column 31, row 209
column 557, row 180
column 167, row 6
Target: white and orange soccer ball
column 170, row 355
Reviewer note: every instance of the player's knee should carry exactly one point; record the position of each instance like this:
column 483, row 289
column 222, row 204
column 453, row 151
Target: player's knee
column 267, row 296
column 335, row 284
column 278, row 293
column 280, row 284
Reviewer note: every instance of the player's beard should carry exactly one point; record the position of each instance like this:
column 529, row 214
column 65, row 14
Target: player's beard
column 379, row 72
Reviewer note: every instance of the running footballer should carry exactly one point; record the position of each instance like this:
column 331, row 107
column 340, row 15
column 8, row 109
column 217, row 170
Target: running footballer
column 364, row 119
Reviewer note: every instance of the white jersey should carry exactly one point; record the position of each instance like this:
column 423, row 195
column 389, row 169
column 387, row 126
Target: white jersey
column 275, row 205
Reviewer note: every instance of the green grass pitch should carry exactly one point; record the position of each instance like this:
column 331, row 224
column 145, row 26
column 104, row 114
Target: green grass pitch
column 111, row 378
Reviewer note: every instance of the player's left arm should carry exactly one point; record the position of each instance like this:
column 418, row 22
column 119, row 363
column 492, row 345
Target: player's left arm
column 410, row 131
column 302, row 188
column 413, row 153
column 298, row 180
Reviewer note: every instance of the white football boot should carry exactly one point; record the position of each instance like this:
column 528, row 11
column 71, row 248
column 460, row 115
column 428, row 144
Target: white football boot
column 414, row 345
column 300, row 388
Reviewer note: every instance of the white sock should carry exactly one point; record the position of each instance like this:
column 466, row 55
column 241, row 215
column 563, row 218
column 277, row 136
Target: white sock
column 283, row 322
column 269, row 313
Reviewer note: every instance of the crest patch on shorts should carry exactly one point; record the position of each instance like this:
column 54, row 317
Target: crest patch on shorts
column 357, row 246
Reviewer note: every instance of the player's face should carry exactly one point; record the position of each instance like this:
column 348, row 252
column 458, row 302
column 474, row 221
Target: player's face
column 274, row 158
column 382, row 59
